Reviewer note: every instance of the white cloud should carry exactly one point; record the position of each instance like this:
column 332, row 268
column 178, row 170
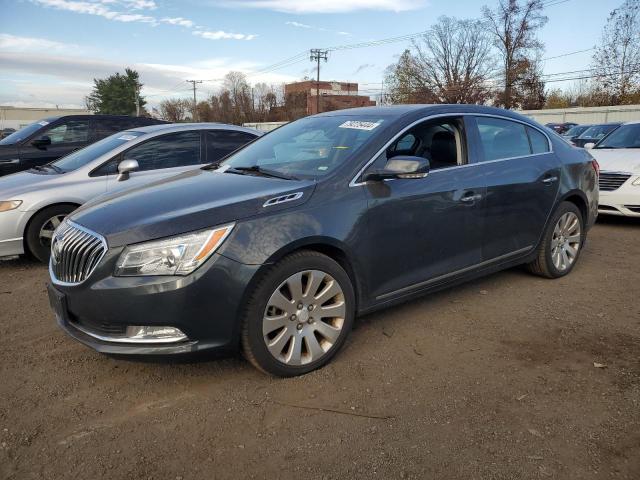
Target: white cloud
column 222, row 35
column 313, row 27
column 326, row 6
column 103, row 8
column 20, row 44
column 66, row 79
column 182, row 22
column 298, row 24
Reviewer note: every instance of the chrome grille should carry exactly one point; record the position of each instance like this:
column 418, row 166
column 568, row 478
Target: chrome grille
column 610, row 181
column 75, row 253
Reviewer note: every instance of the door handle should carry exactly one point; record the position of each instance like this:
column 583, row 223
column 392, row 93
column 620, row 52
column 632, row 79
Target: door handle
column 550, row 180
column 12, row 161
column 471, row 198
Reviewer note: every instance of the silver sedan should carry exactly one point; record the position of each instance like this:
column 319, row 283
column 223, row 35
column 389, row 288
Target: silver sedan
column 34, row 202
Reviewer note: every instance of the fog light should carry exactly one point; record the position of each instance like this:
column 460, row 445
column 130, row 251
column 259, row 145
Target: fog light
column 154, row 334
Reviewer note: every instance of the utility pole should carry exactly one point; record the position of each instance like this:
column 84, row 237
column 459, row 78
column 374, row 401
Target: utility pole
column 195, row 104
column 317, row 55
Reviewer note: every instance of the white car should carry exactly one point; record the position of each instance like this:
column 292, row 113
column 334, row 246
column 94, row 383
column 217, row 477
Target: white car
column 619, row 157
column 34, row 202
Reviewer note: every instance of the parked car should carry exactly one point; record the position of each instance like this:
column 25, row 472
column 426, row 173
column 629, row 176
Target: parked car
column 54, row 137
column 560, row 128
column 5, row 132
column 330, row 216
column 33, row 203
column 619, row 157
column 574, row 132
column 595, row 133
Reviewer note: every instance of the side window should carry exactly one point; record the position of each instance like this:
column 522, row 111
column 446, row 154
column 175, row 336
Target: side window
column 221, row 143
column 105, row 127
column 502, row 138
column 539, row 142
column 405, row 145
column 72, row 131
column 172, row 150
column 440, row 141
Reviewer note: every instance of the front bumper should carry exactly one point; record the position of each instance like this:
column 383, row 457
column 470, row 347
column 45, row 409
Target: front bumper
column 12, row 225
column 204, row 305
column 624, row 201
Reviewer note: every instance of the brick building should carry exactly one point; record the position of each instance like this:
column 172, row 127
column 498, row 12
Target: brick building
column 333, row 95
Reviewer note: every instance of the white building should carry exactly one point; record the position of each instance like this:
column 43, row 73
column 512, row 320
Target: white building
column 18, row 117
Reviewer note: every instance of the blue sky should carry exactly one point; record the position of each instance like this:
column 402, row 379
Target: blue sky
column 50, row 50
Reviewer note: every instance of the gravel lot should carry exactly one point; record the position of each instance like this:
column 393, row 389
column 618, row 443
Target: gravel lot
column 492, row 380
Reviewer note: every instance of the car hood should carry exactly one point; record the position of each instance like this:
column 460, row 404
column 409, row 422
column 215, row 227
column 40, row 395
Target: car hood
column 618, row 160
column 17, row 184
column 191, row 201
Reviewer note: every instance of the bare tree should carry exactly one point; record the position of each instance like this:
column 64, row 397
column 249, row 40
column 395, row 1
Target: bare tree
column 175, row 109
column 514, row 25
column 454, row 61
column 617, row 58
column 451, row 64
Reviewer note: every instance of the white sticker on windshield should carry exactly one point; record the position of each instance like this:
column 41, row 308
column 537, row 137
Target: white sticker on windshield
column 358, row 125
column 43, row 123
column 126, row 137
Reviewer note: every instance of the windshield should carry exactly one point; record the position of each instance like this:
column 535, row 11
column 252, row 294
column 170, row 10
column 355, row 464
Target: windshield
column 598, row 131
column 575, row 131
column 307, row 148
column 627, row 136
column 25, row 132
column 80, row 158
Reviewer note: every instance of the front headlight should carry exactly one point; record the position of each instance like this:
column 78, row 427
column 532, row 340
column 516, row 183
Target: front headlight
column 179, row 255
column 9, row 205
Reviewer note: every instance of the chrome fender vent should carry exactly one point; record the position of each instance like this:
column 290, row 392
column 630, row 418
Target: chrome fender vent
column 289, row 197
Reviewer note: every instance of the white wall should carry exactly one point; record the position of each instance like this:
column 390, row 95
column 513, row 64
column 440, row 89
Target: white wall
column 15, row 117
column 622, row 113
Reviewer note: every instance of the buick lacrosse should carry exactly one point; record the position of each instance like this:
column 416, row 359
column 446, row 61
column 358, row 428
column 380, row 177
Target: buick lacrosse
column 276, row 249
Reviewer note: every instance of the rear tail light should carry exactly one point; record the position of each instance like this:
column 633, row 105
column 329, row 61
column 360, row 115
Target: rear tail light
column 596, row 166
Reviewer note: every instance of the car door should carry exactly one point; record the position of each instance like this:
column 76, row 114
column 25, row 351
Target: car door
column 159, row 157
column 423, row 231
column 523, row 175
column 220, row 143
column 65, row 136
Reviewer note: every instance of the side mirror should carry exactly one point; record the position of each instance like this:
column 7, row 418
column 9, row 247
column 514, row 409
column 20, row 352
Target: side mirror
column 125, row 167
column 42, row 143
column 589, row 145
column 402, row 166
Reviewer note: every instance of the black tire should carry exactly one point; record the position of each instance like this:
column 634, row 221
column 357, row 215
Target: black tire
column 37, row 247
column 253, row 341
column 543, row 265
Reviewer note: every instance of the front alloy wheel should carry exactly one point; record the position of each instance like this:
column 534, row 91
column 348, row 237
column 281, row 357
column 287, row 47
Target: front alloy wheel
column 298, row 315
column 304, row 317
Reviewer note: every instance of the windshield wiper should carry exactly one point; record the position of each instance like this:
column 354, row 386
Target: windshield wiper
column 260, row 171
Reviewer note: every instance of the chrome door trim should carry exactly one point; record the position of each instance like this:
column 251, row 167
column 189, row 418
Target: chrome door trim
column 354, row 183
column 426, row 283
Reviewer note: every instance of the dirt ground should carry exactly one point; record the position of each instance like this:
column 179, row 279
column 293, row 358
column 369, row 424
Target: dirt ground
column 491, row 380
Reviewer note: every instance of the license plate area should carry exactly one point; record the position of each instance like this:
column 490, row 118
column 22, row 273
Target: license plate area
column 58, row 302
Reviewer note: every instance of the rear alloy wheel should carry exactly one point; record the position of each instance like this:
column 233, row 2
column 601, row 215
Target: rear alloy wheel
column 566, row 241
column 299, row 317
column 41, row 227
column 561, row 244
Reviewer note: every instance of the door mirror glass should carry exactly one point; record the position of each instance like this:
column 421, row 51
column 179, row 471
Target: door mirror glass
column 589, row 145
column 400, row 167
column 42, row 143
column 125, row 167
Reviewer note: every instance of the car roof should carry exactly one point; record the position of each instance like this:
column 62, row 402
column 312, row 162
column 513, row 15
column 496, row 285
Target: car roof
column 177, row 127
column 632, row 122
column 397, row 111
